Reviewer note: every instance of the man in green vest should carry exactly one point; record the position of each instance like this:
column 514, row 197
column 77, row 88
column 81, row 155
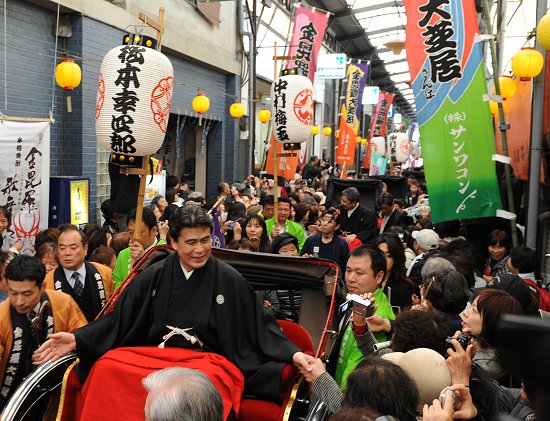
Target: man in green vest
column 365, row 271
column 137, row 249
column 284, row 224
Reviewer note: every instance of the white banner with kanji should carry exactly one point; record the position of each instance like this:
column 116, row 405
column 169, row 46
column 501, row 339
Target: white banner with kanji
column 25, row 178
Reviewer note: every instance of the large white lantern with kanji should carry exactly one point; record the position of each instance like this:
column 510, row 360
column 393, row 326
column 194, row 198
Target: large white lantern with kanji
column 378, row 144
column 133, row 100
column 397, row 147
column 292, row 108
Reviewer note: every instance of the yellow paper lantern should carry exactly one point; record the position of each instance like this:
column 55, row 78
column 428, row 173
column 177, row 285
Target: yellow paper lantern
column 527, row 63
column 236, row 110
column 493, row 106
column 543, row 32
column 201, row 104
column 327, row 131
column 363, row 142
column 507, row 86
column 315, row 130
column 68, row 74
column 358, row 139
column 264, row 115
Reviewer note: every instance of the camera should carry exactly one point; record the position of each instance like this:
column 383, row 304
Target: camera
column 463, row 339
column 442, row 396
column 360, row 306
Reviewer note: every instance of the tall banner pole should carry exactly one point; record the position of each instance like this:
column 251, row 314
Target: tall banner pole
column 502, row 125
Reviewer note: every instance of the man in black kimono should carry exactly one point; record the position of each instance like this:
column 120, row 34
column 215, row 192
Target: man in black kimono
column 356, row 220
column 188, row 290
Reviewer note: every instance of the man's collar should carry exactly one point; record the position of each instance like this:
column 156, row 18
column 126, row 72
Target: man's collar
column 151, row 246
column 81, row 271
column 186, row 273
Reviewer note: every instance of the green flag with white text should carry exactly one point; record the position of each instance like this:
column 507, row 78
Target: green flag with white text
column 455, row 124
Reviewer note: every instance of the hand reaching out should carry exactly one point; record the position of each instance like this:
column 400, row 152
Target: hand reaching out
column 57, row 345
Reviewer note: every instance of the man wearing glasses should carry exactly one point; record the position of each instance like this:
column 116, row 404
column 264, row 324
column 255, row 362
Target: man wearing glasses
column 356, row 221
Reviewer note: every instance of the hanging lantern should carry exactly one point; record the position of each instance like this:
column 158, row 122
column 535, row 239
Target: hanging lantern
column 527, row 63
column 358, row 140
column 201, row 104
column 315, row 130
column 134, row 96
column 397, row 149
column 292, row 109
column 543, row 32
column 493, row 106
column 236, row 110
column 507, row 86
column 363, row 142
column 264, row 115
column 378, row 145
column 396, row 46
column 415, row 149
column 327, row 131
column 68, row 75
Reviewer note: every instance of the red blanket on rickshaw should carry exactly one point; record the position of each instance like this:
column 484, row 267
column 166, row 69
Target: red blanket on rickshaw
column 113, row 390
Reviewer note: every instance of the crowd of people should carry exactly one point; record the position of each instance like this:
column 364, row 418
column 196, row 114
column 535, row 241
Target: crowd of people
column 438, row 298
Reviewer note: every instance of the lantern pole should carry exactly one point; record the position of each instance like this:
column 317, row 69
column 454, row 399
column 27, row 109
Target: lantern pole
column 142, row 172
column 536, row 146
column 502, row 124
column 275, row 160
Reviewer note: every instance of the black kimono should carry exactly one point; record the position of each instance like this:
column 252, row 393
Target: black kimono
column 215, row 301
column 361, row 223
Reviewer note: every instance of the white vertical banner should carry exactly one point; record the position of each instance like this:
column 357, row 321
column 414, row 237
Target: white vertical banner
column 25, row 178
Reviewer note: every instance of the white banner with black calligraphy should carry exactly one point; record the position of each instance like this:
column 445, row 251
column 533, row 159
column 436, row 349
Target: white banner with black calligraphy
column 24, row 178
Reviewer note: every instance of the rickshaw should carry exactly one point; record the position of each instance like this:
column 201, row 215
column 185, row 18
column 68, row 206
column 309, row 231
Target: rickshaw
column 309, row 326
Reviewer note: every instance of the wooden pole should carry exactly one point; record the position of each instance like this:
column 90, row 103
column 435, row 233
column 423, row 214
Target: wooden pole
column 159, row 26
column 275, row 160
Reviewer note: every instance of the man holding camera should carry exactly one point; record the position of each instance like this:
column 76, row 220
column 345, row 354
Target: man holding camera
column 365, row 272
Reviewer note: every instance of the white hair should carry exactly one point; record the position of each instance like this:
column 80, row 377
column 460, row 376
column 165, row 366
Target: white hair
column 182, row 394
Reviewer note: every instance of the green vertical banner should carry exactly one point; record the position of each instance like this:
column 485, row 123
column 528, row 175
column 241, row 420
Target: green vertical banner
column 455, row 123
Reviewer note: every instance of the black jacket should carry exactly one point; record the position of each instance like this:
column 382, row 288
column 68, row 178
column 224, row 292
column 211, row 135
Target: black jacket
column 361, row 223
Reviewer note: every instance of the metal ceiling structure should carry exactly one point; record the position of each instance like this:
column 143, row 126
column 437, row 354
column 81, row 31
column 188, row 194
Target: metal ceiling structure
column 362, row 27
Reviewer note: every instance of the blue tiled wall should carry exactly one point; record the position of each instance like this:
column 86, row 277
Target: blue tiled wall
column 31, row 44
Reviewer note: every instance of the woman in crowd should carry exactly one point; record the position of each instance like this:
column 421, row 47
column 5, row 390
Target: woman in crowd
column 446, row 291
column 499, row 245
column 286, row 244
column 397, row 287
column 481, row 319
column 326, row 244
column 49, row 235
column 160, row 202
column 120, row 241
column 6, row 243
column 4, row 260
column 47, row 252
column 376, row 383
column 411, row 197
column 255, row 231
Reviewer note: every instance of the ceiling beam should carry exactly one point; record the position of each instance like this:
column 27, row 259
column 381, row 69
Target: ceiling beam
column 378, row 6
column 381, row 31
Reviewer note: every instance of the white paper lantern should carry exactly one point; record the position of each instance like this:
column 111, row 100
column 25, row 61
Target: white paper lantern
column 415, row 149
column 133, row 100
column 378, row 144
column 292, row 108
column 397, row 149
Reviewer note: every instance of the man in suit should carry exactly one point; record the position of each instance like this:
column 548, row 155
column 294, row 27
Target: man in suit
column 90, row 284
column 390, row 215
column 357, row 221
